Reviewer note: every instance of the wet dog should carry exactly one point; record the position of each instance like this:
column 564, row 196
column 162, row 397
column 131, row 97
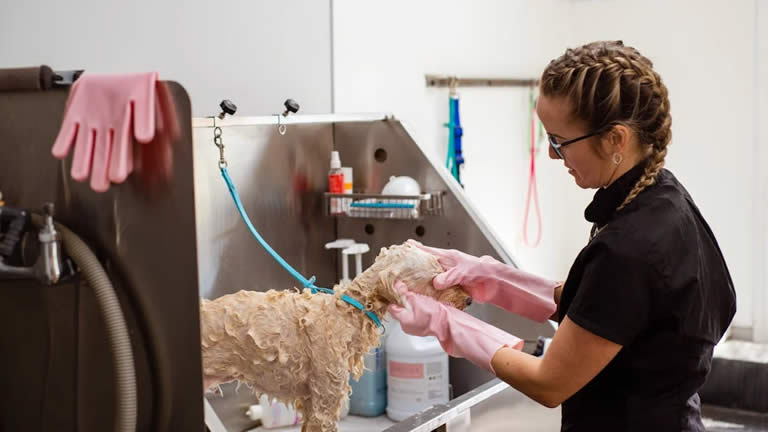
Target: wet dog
column 299, row 347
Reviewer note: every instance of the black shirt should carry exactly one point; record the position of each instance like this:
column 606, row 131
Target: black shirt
column 653, row 280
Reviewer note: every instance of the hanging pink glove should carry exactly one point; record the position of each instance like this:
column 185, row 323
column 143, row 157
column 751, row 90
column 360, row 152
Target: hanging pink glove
column 490, row 281
column 103, row 113
column 460, row 334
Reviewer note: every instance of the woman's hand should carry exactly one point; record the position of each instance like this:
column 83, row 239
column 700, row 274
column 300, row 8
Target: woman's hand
column 460, row 334
column 490, row 281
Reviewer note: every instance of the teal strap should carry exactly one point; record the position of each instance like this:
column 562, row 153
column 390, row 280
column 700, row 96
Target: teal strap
column 450, row 161
column 307, row 283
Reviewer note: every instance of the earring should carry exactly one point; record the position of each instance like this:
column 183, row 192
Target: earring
column 617, row 158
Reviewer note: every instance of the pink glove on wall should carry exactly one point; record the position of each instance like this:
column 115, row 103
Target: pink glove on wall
column 490, row 281
column 103, row 115
column 459, row 333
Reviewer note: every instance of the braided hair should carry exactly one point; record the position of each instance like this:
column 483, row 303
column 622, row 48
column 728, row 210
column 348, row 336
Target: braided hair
column 608, row 83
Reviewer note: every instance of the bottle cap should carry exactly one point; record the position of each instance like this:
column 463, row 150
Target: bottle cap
column 254, row 412
column 335, row 160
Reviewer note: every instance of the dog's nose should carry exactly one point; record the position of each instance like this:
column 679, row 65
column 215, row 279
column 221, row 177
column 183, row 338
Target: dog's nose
column 468, row 301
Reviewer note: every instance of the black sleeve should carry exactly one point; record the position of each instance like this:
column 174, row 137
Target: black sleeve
column 613, row 300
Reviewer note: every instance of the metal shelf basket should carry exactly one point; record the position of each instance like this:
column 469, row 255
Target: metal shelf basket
column 374, row 206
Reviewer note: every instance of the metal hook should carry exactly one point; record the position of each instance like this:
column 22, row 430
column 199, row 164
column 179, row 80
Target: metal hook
column 453, row 84
column 281, row 128
column 291, row 106
column 219, row 142
column 227, row 108
column 382, row 331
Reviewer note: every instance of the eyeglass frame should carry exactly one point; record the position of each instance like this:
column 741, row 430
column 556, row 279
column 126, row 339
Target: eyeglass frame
column 556, row 147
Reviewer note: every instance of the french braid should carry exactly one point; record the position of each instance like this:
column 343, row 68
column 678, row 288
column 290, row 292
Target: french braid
column 609, row 83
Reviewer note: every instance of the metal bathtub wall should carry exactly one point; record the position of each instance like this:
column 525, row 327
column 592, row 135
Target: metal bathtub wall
column 281, row 179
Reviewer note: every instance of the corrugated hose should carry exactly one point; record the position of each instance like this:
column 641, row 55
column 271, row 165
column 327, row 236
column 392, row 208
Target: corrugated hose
column 117, row 331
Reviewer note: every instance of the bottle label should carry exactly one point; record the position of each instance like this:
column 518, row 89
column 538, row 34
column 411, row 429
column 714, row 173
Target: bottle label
column 406, row 370
column 336, row 183
column 417, row 385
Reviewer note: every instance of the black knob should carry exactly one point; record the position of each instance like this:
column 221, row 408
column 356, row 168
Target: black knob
column 227, row 107
column 291, row 106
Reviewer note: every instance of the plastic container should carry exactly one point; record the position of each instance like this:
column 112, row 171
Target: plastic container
column 336, row 183
column 402, row 185
column 417, row 373
column 273, row 414
column 348, row 187
column 369, row 394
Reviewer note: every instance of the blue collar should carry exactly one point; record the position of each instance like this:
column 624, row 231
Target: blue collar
column 349, row 300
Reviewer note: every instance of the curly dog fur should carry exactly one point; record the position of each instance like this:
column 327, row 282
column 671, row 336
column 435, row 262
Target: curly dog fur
column 299, row 347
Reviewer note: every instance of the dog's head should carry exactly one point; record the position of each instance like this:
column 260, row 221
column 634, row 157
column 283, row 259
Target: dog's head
column 416, row 268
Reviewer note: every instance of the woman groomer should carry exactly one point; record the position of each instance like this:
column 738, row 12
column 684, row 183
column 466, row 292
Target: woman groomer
column 646, row 299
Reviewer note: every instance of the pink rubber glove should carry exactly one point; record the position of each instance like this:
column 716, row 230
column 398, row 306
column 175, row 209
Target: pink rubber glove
column 490, row 281
column 460, row 334
column 101, row 110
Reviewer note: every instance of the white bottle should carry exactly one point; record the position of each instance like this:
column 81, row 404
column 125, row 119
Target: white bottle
column 273, row 414
column 417, row 373
column 349, row 185
column 336, row 183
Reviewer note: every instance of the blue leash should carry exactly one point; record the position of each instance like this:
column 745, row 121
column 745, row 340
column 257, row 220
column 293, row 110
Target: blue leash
column 455, row 157
column 458, row 132
column 306, row 283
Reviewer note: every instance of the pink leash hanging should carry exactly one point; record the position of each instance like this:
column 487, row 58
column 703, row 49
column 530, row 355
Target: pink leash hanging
column 532, row 190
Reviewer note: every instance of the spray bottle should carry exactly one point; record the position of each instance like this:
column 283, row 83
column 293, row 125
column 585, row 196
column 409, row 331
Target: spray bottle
column 336, row 184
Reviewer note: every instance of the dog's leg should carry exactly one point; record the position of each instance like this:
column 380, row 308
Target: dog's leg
column 328, row 387
column 306, row 416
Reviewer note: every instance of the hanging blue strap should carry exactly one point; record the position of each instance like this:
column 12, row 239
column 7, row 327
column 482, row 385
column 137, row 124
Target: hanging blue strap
column 455, row 156
column 458, row 132
column 307, row 283
column 450, row 159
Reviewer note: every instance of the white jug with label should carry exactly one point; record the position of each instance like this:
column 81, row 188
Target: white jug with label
column 417, row 373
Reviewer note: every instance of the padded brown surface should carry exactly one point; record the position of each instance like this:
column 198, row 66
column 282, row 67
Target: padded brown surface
column 55, row 363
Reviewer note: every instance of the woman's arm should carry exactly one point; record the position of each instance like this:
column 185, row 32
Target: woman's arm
column 574, row 357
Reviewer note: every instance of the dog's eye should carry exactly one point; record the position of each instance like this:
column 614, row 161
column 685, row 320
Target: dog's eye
column 468, row 301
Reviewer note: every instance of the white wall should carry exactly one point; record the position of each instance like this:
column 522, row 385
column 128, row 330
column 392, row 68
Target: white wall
column 760, row 297
column 256, row 53
column 380, row 57
column 703, row 50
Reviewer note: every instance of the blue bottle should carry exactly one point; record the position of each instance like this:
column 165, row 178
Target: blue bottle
column 369, row 394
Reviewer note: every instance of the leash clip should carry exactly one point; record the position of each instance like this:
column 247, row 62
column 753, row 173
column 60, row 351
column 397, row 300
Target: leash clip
column 219, row 142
